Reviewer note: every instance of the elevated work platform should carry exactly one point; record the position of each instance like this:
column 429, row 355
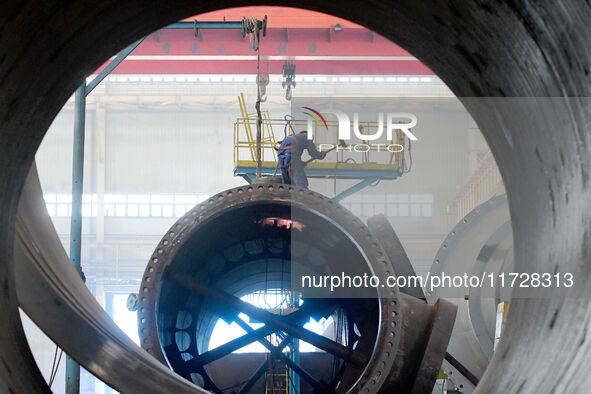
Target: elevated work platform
column 347, row 162
column 340, row 170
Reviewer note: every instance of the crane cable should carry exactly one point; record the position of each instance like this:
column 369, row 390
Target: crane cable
column 56, row 364
column 259, row 117
column 252, row 27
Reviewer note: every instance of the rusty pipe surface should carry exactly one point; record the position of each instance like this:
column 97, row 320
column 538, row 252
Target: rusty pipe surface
column 260, row 237
column 498, row 48
column 52, row 294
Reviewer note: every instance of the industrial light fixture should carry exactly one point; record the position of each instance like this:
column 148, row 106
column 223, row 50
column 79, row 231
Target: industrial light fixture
column 289, row 83
column 262, row 81
column 338, row 27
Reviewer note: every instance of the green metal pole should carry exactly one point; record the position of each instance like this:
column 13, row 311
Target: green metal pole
column 72, row 367
column 294, row 381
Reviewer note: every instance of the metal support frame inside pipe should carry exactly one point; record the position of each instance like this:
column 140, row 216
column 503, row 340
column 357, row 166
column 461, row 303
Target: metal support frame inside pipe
column 195, row 278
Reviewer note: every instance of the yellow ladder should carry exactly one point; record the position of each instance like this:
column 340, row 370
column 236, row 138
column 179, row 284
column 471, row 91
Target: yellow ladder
column 267, row 133
column 272, row 380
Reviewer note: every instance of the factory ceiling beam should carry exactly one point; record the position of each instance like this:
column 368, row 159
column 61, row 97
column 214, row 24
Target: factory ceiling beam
column 350, row 51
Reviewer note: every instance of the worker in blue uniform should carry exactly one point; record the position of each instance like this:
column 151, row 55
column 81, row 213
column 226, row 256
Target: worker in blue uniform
column 290, row 158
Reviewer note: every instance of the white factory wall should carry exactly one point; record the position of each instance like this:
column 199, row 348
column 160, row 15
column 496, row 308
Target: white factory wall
column 54, row 157
column 176, row 139
column 147, row 155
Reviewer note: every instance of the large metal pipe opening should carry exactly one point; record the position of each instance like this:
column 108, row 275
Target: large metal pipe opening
column 478, row 49
column 261, row 239
column 242, row 247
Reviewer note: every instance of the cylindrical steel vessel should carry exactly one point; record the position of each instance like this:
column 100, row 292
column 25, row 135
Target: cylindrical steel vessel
column 260, row 239
column 247, row 240
column 481, row 243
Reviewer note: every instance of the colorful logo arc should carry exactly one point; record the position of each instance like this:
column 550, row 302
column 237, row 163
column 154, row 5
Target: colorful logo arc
column 316, row 116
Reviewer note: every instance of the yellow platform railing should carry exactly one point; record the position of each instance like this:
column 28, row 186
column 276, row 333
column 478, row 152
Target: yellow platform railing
column 245, row 144
column 247, row 123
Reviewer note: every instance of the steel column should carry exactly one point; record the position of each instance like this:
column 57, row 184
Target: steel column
column 295, row 352
column 72, row 367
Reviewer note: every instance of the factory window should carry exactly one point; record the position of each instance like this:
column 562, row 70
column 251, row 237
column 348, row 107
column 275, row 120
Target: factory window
column 125, row 319
column 63, row 210
column 156, row 210
column 167, row 210
column 368, row 210
column 126, row 205
column 391, row 210
column 144, row 210
column 51, row 209
column 132, row 210
column 403, row 210
column 355, row 208
column 180, row 210
column 391, row 205
column 120, row 210
column 176, row 205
